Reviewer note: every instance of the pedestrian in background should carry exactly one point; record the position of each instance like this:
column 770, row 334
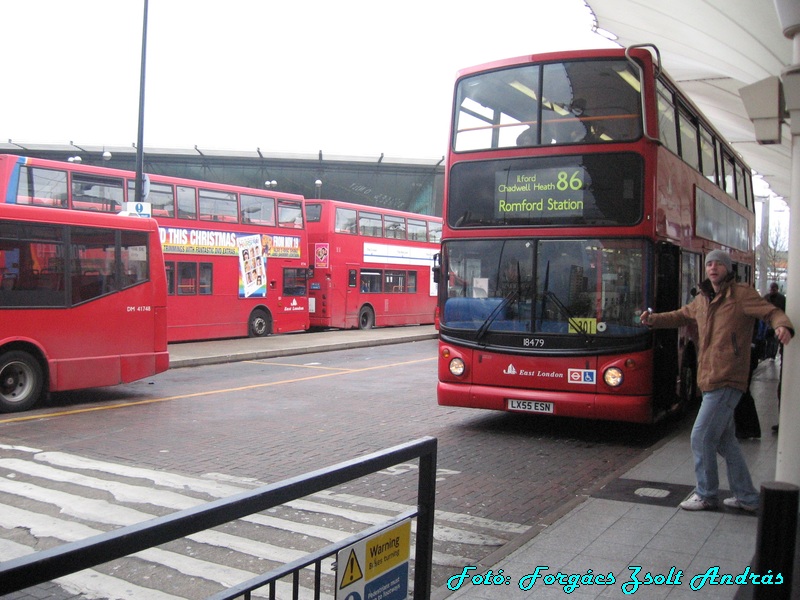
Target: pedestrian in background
column 774, row 347
column 774, row 297
column 725, row 312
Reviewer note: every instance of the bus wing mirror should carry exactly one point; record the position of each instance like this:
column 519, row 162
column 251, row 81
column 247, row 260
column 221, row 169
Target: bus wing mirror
column 437, row 270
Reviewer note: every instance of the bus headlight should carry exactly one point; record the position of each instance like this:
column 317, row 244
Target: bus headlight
column 613, row 377
column 457, row 367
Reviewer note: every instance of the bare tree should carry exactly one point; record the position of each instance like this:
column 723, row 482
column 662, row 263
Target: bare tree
column 776, row 248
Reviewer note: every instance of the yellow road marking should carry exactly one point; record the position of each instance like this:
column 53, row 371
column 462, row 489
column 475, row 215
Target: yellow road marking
column 210, row 392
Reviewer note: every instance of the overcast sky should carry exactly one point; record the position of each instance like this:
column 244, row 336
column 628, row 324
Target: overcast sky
column 352, row 77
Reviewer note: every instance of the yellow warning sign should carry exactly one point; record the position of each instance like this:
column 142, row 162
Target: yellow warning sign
column 388, row 549
column 352, row 571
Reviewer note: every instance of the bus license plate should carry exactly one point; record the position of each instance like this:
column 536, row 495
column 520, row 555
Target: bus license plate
column 530, row 406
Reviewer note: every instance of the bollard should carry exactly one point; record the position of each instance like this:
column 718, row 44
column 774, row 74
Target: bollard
column 776, row 539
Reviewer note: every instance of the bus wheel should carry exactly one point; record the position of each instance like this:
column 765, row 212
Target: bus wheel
column 366, row 318
column 21, row 381
column 260, row 324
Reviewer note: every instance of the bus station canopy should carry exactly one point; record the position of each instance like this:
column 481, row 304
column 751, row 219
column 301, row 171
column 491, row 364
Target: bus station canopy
column 713, row 48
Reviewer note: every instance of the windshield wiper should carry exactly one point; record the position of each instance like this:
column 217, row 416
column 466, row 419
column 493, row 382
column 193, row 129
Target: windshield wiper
column 571, row 319
column 495, row 313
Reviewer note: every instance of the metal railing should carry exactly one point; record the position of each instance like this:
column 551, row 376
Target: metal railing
column 40, row 567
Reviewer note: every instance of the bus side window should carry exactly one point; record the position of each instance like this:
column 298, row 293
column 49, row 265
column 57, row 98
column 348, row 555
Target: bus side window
column 290, row 214
column 346, row 220
column 42, row 187
column 161, row 198
column 370, row 224
column 187, row 202
column 206, row 279
column 93, row 192
column 412, row 282
column 187, row 278
column 352, row 278
column 417, row 230
column 294, row 282
column 218, row 206
column 395, row 227
column 169, row 266
column 259, row 210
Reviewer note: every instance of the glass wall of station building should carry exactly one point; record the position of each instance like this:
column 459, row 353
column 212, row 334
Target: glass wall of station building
column 412, row 185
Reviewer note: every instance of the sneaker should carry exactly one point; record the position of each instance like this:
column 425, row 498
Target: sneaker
column 733, row 502
column 695, row 502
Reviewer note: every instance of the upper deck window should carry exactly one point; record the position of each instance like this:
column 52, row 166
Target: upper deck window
column 370, row 224
column 42, row 187
column 290, row 214
column 258, row 209
column 394, row 227
column 346, row 220
column 218, row 206
column 576, row 102
column 95, row 192
column 161, row 198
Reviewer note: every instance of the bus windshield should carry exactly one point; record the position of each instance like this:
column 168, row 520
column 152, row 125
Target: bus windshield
column 574, row 287
column 573, row 102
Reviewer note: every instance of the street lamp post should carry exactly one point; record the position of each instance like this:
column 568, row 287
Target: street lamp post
column 139, row 185
column 318, row 186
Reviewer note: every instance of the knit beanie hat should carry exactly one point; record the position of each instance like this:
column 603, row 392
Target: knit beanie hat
column 721, row 256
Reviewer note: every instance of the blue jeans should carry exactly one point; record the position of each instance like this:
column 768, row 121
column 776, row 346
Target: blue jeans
column 713, row 433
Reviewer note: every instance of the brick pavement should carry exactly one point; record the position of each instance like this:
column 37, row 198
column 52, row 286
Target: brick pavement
column 511, row 467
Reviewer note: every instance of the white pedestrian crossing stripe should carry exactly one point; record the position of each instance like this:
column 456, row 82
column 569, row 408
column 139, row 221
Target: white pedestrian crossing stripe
column 49, row 498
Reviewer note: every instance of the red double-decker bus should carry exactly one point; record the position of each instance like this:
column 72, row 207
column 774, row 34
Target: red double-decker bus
column 581, row 188
column 82, row 302
column 234, row 256
column 372, row 266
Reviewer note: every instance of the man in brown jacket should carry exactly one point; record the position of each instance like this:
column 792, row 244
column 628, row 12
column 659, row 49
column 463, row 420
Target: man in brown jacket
column 725, row 312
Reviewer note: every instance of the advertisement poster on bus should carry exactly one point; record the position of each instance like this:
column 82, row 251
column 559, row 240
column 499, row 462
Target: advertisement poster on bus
column 175, row 240
column 252, row 267
column 321, row 256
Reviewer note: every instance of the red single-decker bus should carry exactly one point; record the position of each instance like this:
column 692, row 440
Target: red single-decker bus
column 82, row 302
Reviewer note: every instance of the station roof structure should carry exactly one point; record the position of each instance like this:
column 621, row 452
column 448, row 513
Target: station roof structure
column 713, row 48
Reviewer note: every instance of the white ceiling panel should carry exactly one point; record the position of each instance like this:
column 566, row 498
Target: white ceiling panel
column 712, row 48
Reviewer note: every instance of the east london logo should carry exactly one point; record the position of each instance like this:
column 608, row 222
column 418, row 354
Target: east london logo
column 511, row 370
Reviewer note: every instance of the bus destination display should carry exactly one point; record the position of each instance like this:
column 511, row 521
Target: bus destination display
column 533, row 194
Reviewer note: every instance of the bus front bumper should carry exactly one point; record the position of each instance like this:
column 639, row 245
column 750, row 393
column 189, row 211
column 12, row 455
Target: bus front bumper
column 634, row 409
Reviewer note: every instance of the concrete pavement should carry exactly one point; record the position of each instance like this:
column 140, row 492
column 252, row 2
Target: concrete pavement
column 192, row 354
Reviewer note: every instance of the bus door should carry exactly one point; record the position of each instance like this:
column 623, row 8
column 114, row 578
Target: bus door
column 352, row 295
column 665, row 352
